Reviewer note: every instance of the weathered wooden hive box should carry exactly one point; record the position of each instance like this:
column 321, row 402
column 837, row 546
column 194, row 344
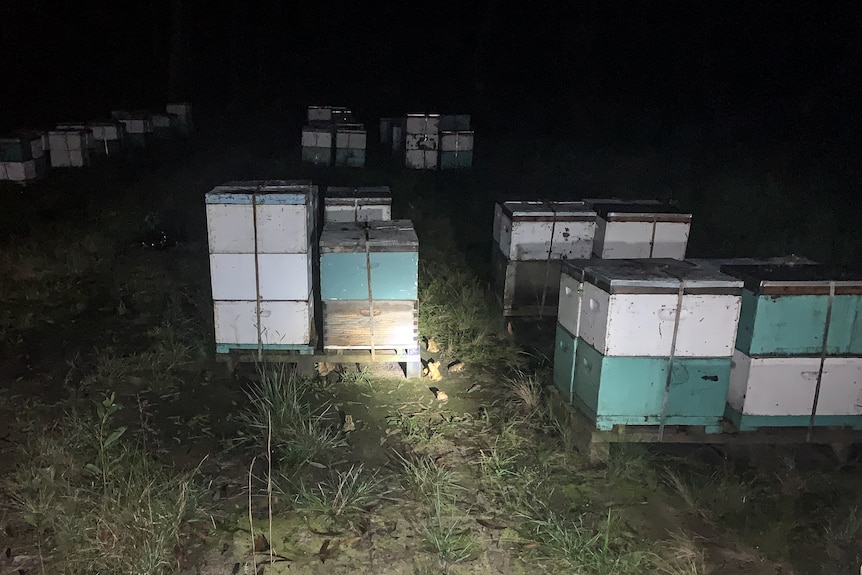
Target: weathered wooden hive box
column 634, row 326
column 317, row 143
column 631, row 229
column 261, row 237
column 422, row 141
column 799, row 347
column 70, row 148
column 350, row 144
column 22, row 158
column 369, row 276
column 360, row 204
column 531, row 238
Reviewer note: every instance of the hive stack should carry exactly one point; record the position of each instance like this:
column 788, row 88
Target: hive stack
column 181, row 117
column 422, row 140
column 108, row 138
column 164, row 125
column 138, row 127
column 456, row 142
column 646, row 341
column 22, row 158
column 369, row 286
column 530, row 241
column 350, row 143
column 70, row 148
column 639, row 229
column 91, row 143
column 363, row 204
column 262, row 236
column 799, row 347
column 317, row 144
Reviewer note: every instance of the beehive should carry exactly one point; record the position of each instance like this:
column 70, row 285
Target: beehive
column 530, row 240
column 456, row 149
column 800, row 326
column 138, row 128
column 362, row 204
column 108, row 137
column 70, row 148
column 350, row 143
column 22, row 159
column 184, row 123
column 422, row 141
column 647, row 341
column 369, row 285
column 261, row 237
column 639, row 229
column 317, row 144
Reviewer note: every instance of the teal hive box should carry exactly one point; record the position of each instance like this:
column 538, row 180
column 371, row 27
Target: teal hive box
column 630, row 390
column 14, row 149
column 317, row 155
column 565, row 349
column 393, row 254
column 784, row 309
column 452, row 160
column 350, row 157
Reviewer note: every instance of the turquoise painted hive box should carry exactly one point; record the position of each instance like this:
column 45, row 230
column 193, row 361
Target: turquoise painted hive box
column 652, row 341
column 785, row 307
column 389, row 248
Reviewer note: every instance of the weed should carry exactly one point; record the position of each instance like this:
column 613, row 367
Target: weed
column 525, row 393
column 345, row 496
column 300, row 433
column 680, row 556
column 426, row 476
column 448, row 535
column 357, row 376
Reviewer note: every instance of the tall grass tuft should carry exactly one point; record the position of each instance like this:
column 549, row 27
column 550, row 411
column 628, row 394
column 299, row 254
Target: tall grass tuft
column 301, row 433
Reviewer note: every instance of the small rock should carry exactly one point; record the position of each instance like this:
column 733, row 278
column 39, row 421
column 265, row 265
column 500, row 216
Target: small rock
column 456, row 366
column 349, row 425
column 433, row 347
column 434, row 371
column 324, row 368
column 442, row 395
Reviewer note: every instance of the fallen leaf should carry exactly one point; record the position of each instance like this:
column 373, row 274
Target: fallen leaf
column 324, row 533
column 489, row 525
column 317, row 465
column 350, row 540
column 326, row 551
column 455, row 366
column 531, row 545
column 261, row 544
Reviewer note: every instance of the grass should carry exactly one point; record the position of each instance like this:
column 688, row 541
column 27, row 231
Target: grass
column 447, row 534
column 425, row 475
column 97, row 503
column 302, row 433
column 346, row 495
column 680, row 555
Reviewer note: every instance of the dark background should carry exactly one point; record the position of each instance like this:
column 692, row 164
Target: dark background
column 769, row 69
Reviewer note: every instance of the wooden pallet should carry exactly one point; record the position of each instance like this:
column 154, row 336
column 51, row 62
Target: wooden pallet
column 596, row 443
column 410, row 359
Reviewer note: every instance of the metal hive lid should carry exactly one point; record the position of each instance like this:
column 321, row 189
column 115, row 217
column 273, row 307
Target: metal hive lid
column 547, row 209
column 796, row 279
column 637, row 210
column 266, row 192
column 650, row 275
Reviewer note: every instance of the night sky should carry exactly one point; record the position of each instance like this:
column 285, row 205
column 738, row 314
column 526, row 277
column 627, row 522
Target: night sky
column 778, row 67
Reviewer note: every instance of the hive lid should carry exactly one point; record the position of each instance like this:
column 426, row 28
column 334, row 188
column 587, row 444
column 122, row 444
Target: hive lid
column 380, row 236
column 344, row 195
column 547, row 211
column 350, row 127
column 266, row 192
column 392, row 235
column 637, row 211
column 658, row 275
column 795, row 279
column 348, row 237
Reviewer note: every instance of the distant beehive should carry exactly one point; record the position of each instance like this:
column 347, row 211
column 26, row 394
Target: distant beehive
column 646, row 341
column 369, row 285
column 70, row 148
column 350, row 144
column 109, row 137
column 422, row 140
column 261, row 240
column 184, row 122
column 164, row 125
column 530, row 240
column 639, row 229
column 22, row 159
column 456, row 142
column 317, row 143
column 799, row 346
column 363, row 204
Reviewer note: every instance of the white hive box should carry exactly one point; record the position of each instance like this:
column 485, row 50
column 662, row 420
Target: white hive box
column 283, row 324
column 317, row 144
column 363, row 204
column 629, row 308
column 282, row 219
column 73, row 126
column 639, row 229
column 280, row 276
column 20, row 171
column 319, row 114
column 70, row 148
column 538, row 230
column 183, row 112
column 421, row 142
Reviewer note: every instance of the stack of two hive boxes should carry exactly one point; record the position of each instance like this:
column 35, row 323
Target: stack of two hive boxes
column 368, row 274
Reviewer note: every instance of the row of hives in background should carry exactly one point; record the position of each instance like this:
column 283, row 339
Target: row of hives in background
column 26, row 155
column 533, row 238
column 725, row 344
column 430, row 141
column 281, row 271
column 332, row 136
